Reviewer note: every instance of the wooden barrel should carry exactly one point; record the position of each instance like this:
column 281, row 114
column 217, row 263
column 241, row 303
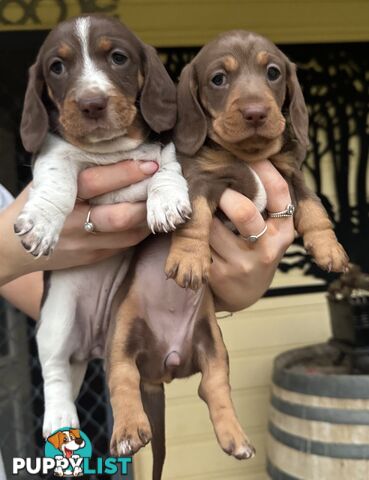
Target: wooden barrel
column 319, row 418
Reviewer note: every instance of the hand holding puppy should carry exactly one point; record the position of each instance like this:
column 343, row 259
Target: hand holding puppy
column 121, row 225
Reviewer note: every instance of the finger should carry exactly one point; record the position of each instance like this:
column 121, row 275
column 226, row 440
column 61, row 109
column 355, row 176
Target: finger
column 120, row 240
column 96, row 181
column 278, row 194
column 278, row 197
column 108, row 218
column 242, row 213
column 223, row 242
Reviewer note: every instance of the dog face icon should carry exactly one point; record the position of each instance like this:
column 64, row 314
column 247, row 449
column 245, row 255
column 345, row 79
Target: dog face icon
column 67, row 441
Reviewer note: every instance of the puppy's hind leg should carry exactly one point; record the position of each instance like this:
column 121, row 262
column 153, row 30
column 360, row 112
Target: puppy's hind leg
column 215, row 389
column 131, row 429
column 78, row 372
column 56, row 340
column 153, row 400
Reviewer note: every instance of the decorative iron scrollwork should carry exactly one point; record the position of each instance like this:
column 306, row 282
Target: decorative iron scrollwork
column 108, row 6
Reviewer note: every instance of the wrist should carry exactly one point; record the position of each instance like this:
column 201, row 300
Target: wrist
column 238, row 296
column 14, row 260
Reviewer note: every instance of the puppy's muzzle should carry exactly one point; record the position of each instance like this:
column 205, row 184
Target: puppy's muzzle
column 93, row 106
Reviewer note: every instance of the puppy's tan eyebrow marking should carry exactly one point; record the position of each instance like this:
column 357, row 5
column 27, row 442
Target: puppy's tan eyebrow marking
column 230, row 63
column 262, row 58
column 64, row 51
column 104, row 44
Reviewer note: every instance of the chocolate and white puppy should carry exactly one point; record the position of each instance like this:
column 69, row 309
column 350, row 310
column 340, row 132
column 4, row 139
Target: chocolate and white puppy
column 95, row 96
column 239, row 101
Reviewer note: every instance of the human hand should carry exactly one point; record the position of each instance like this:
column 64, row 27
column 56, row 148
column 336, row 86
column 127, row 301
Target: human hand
column 118, row 226
column 241, row 271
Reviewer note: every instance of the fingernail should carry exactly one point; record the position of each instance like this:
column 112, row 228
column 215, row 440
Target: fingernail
column 148, row 168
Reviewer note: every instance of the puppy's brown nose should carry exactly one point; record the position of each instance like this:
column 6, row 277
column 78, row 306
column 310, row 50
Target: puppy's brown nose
column 93, row 107
column 255, row 114
column 79, row 441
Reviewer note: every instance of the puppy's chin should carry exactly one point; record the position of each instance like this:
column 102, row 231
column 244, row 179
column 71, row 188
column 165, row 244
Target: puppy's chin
column 250, row 149
column 239, row 133
column 106, row 144
column 103, row 135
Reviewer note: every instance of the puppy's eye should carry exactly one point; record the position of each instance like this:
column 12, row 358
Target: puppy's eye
column 57, row 67
column 273, row 73
column 118, row 58
column 219, row 79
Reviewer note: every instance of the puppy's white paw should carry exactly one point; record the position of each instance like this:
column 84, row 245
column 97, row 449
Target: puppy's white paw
column 167, row 208
column 39, row 232
column 59, row 416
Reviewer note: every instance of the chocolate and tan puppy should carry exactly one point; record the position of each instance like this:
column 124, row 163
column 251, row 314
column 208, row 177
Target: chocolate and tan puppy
column 239, row 101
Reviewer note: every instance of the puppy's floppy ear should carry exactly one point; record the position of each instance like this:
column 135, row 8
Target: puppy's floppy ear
column 191, row 128
column 297, row 111
column 35, row 122
column 158, row 96
column 56, row 440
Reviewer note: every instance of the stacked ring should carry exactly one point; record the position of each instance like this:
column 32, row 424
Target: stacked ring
column 287, row 212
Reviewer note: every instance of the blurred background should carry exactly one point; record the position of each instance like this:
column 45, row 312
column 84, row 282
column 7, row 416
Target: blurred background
column 329, row 40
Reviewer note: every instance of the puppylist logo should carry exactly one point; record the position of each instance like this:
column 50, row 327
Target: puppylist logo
column 68, row 453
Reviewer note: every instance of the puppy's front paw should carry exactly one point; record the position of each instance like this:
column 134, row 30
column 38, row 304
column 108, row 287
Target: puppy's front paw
column 326, row 251
column 59, row 416
column 130, row 434
column 233, row 440
column 167, row 208
column 39, row 232
column 188, row 263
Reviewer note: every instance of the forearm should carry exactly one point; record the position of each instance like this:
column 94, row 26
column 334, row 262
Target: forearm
column 14, row 260
column 235, row 294
column 25, row 293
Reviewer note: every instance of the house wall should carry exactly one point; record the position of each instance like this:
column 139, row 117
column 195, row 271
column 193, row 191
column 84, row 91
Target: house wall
column 194, row 22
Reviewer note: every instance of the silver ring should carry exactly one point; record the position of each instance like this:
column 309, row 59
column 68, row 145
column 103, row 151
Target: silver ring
column 88, row 225
column 253, row 238
column 287, row 212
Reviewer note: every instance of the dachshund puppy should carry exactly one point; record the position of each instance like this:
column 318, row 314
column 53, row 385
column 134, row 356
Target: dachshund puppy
column 239, row 101
column 96, row 95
